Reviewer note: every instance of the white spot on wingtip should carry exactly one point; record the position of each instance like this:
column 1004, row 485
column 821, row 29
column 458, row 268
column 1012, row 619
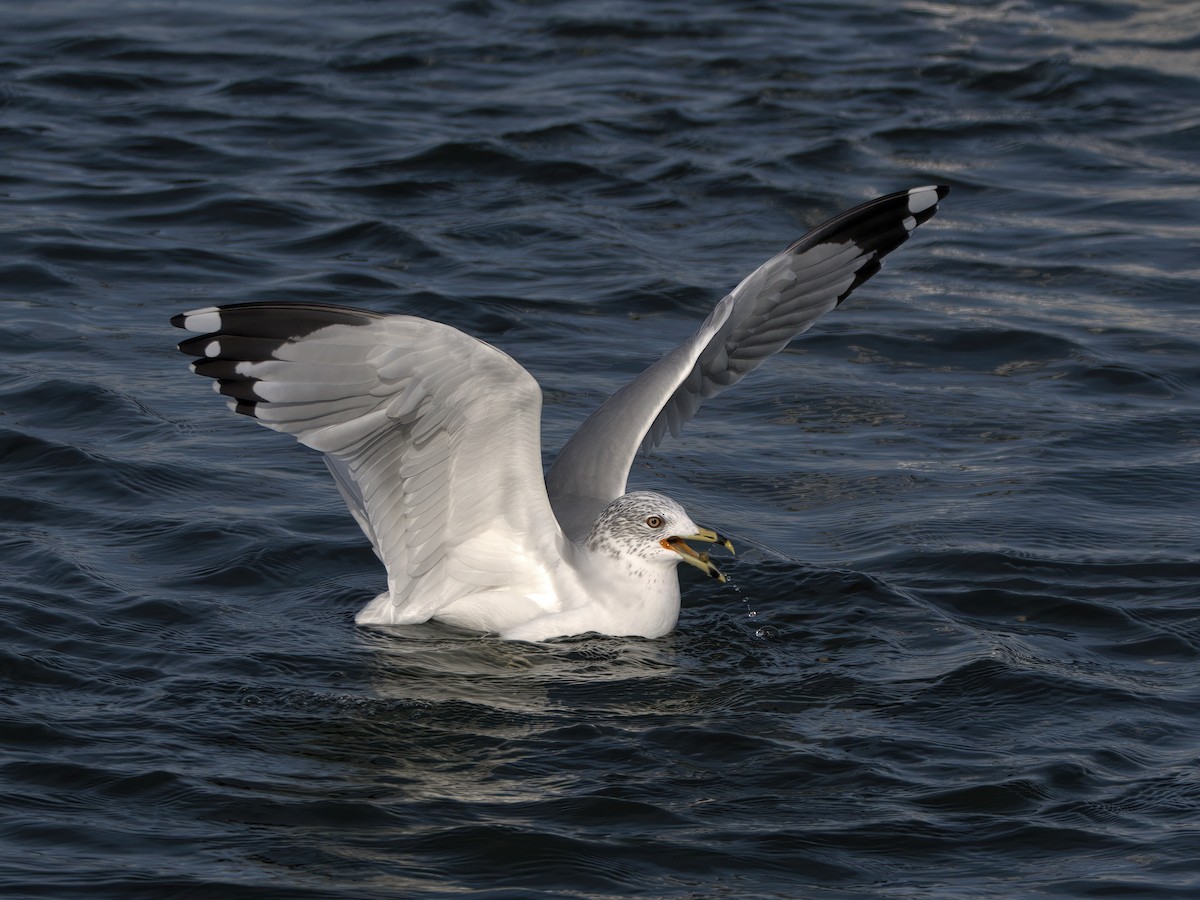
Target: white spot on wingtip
column 216, row 387
column 909, row 224
column 920, row 199
column 214, row 348
column 204, row 320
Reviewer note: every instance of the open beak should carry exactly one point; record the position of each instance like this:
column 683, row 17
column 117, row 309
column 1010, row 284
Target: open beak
column 699, row 560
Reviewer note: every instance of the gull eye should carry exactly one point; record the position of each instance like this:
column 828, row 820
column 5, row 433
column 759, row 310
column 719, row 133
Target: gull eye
column 655, row 522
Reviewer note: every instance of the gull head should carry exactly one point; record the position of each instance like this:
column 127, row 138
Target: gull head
column 653, row 527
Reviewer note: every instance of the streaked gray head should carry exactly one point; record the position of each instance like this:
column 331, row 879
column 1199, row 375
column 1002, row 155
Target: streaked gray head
column 636, row 522
column 652, row 527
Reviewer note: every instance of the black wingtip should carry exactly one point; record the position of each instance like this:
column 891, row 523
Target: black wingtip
column 177, row 320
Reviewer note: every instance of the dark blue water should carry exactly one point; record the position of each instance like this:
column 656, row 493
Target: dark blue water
column 960, row 655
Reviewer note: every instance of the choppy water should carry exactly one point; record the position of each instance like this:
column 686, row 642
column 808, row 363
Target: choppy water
column 960, row 658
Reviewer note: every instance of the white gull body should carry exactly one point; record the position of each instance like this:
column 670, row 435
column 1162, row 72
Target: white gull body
column 434, row 440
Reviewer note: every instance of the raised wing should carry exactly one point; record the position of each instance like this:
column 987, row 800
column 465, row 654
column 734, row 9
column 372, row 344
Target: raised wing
column 433, row 438
column 774, row 304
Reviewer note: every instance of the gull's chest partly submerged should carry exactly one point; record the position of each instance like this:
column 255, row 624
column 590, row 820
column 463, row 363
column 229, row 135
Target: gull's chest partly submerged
column 606, row 595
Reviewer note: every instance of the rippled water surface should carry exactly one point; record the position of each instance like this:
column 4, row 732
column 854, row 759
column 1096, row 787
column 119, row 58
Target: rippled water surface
column 959, row 657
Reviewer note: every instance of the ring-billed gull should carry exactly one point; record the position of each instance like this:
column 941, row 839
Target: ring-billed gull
column 433, row 438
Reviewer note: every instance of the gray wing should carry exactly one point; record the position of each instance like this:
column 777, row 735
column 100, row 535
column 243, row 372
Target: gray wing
column 776, row 302
column 432, row 436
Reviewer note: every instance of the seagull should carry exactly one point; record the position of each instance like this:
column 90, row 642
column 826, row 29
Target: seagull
column 434, row 440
